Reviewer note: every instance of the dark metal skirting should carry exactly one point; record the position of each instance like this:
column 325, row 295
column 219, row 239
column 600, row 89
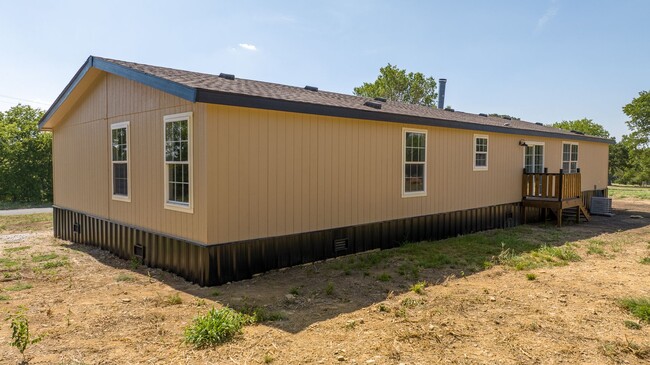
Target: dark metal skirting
column 221, row 263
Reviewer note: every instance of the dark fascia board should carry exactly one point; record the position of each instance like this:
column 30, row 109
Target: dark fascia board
column 248, row 101
column 170, row 87
column 174, row 88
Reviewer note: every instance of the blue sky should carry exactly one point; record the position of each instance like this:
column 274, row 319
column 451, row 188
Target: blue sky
column 543, row 61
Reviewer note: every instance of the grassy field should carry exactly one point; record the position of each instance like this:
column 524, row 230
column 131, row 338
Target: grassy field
column 629, row 191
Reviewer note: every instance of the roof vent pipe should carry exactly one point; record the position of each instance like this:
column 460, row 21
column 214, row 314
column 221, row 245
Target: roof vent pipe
column 441, row 94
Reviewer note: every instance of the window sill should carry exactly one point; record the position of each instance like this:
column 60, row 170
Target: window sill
column 480, row 168
column 414, row 195
column 179, row 207
column 122, row 198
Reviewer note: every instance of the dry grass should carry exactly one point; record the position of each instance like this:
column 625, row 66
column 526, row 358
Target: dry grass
column 316, row 313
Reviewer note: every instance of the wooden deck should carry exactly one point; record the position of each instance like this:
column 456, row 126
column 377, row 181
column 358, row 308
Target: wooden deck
column 555, row 192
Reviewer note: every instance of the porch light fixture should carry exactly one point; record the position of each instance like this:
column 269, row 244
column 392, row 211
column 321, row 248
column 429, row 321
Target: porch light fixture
column 523, row 143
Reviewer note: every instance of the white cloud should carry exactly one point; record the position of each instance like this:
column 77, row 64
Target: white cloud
column 548, row 15
column 248, row 47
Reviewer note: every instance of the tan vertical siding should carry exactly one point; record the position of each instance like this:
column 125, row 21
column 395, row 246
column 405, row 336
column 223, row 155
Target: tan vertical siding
column 302, row 173
column 82, row 158
column 593, row 161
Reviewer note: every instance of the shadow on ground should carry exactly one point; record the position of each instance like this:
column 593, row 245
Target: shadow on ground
column 311, row 293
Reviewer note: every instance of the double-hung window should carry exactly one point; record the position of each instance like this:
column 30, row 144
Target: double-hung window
column 178, row 162
column 480, row 152
column 569, row 157
column 120, row 152
column 414, row 160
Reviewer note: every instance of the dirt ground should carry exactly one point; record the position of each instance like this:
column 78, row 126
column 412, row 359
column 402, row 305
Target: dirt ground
column 93, row 308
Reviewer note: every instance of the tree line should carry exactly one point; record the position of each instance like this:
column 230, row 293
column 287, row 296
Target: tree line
column 25, row 157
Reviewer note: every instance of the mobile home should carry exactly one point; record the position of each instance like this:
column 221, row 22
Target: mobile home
column 217, row 178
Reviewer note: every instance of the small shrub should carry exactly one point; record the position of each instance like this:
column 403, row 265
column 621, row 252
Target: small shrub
column 125, row 277
column 329, row 289
column 20, row 337
column 44, row 257
column 268, row 359
column 19, row 287
column 530, row 276
column 632, row 325
column 418, row 288
column 645, row 260
column 174, row 299
column 4, row 297
column 638, row 307
column 215, row 327
column 294, row 291
column 384, row 277
column 215, row 293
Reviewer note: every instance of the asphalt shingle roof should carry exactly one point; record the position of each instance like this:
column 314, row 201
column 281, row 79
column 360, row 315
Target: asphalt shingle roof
column 400, row 112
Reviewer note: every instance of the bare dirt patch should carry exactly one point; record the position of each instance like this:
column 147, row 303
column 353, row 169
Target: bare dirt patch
column 93, row 308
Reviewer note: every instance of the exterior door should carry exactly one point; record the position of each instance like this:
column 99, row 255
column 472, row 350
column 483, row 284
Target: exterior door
column 534, row 158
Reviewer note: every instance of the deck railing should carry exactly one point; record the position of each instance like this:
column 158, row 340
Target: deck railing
column 551, row 186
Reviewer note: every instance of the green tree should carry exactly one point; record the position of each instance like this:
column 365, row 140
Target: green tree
column 397, row 85
column 636, row 169
column 25, row 156
column 584, row 125
column 639, row 112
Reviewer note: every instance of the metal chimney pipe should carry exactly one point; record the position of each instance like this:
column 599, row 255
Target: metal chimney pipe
column 441, row 94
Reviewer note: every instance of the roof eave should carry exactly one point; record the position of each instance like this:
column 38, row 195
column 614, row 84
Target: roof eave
column 249, row 101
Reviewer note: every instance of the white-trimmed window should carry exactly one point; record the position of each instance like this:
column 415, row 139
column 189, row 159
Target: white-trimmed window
column 120, row 155
column 178, row 162
column 414, row 162
column 534, row 157
column 569, row 157
column 480, row 152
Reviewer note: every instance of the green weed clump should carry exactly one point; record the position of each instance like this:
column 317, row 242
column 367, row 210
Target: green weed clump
column 329, row 289
column 257, row 314
column 215, row 327
column 174, row 299
column 125, row 277
column 638, row 307
column 418, row 288
column 530, row 276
